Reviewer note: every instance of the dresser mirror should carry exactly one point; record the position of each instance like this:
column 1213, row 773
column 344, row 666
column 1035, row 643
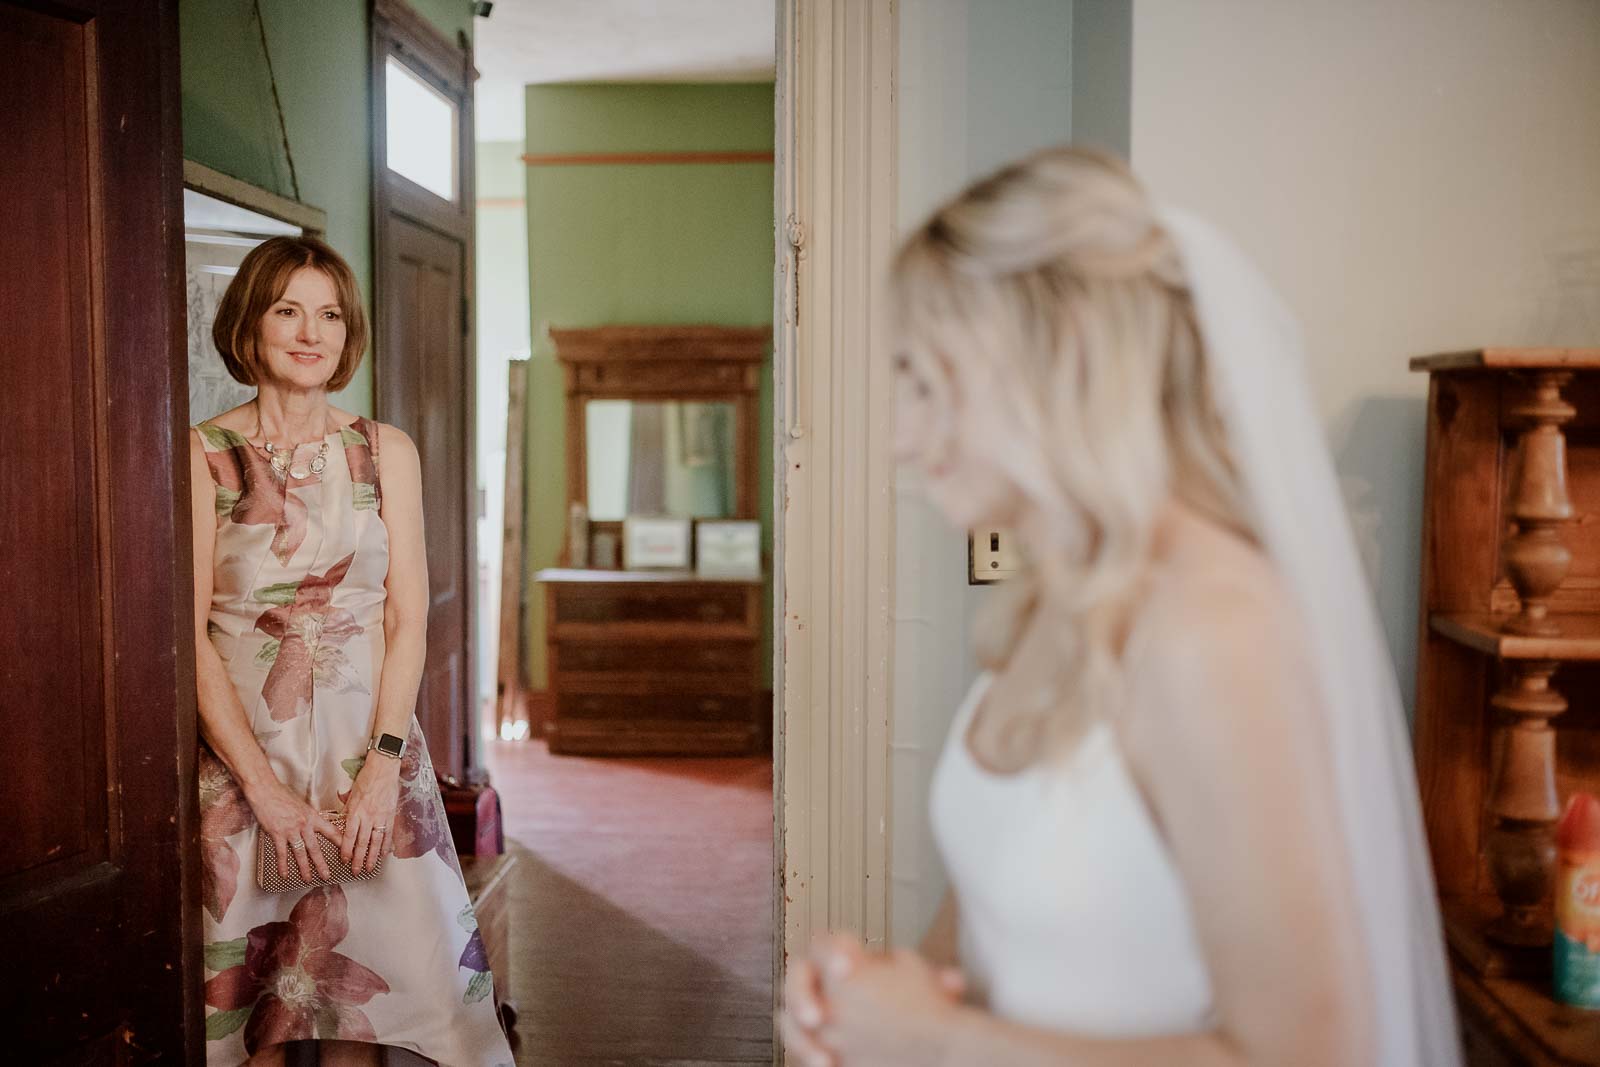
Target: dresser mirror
column 660, row 457
column 661, row 421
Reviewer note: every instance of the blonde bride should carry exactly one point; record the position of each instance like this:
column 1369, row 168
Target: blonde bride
column 1177, row 810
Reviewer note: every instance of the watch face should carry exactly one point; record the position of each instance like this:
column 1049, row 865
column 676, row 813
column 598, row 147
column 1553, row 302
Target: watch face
column 390, row 745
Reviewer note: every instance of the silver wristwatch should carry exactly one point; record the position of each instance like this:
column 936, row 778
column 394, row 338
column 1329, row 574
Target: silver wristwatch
column 388, row 745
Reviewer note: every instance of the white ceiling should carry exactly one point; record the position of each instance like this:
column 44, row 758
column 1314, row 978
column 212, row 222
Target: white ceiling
column 526, row 42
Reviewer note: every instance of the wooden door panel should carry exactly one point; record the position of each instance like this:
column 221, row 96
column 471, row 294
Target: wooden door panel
column 49, row 558
column 97, row 805
column 423, row 381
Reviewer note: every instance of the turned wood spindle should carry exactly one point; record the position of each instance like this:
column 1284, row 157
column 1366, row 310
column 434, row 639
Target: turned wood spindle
column 1536, row 559
column 1523, row 807
column 1522, row 802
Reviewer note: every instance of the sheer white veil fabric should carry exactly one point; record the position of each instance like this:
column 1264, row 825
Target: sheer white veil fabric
column 1256, row 359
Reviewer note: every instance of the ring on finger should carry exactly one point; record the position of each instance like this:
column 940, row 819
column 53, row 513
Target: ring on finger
column 297, row 843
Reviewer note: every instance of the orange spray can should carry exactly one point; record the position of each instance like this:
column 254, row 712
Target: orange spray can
column 1577, row 903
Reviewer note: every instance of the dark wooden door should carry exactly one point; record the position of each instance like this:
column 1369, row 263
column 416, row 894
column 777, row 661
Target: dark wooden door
column 97, row 806
column 423, row 363
column 424, row 381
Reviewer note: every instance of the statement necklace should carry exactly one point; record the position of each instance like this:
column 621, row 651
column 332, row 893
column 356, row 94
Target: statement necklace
column 282, row 457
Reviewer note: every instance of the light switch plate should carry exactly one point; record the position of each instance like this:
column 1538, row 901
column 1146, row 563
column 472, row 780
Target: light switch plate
column 991, row 555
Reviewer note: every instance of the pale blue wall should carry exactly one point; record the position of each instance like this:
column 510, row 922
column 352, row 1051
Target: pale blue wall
column 981, row 82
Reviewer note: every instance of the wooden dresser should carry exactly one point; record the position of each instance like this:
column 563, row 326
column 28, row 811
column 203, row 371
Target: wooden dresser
column 1508, row 675
column 656, row 662
column 653, row 663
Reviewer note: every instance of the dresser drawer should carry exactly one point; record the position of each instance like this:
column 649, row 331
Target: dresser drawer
column 701, row 707
column 604, row 657
column 698, row 604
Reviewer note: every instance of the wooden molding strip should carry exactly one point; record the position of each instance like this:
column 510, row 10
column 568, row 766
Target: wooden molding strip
column 241, row 193
column 414, row 37
column 616, row 344
column 581, row 159
column 834, row 484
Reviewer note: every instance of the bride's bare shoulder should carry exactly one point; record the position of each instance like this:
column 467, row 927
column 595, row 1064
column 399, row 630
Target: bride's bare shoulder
column 1221, row 675
column 1214, row 576
column 1217, row 619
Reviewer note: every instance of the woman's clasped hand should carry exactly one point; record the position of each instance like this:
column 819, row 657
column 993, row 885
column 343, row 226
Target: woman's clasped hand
column 844, row 1004
column 293, row 826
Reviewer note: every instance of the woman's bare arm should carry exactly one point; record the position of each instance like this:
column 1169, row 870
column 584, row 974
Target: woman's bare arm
column 374, row 797
column 405, row 610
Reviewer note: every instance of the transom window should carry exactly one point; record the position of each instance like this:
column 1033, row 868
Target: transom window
column 421, row 130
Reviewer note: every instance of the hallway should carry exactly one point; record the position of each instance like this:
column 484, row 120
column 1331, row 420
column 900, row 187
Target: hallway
column 642, row 907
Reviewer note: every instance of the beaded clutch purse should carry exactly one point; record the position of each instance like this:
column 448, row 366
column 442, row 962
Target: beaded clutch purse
column 270, row 880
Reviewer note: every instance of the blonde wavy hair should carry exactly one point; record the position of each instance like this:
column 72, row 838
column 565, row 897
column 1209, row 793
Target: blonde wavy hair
column 1049, row 296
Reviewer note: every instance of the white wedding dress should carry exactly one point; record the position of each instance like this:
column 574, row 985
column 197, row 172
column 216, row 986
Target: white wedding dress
column 1073, row 916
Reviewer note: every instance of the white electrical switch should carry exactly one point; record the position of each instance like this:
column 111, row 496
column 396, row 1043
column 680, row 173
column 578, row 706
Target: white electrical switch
column 991, row 555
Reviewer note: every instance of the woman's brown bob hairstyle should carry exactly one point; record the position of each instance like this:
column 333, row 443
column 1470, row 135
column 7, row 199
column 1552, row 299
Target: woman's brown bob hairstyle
column 261, row 282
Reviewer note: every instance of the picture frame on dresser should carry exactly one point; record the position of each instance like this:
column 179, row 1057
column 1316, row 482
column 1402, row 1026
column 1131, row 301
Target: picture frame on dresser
column 652, row 542
column 728, row 548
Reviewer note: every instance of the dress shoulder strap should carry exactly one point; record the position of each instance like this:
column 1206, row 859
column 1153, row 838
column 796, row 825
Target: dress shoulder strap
column 361, row 453
column 228, row 455
column 216, row 438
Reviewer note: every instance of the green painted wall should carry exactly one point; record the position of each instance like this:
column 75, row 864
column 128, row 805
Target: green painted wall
column 320, row 55
column 641, row 243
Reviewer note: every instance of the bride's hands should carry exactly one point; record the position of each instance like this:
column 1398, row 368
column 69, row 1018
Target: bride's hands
column 843, row 1006
column 805, row 1006
column 369, row 812
column 293, row 826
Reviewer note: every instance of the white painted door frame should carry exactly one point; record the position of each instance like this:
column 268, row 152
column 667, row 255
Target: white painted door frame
column 834, row 587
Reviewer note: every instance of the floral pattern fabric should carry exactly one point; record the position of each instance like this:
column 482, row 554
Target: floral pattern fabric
column 297, row 620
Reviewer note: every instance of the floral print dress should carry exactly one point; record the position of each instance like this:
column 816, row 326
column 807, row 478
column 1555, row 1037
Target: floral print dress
column 297, row 619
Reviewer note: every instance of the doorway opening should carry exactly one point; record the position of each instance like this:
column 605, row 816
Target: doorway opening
column 624, row 311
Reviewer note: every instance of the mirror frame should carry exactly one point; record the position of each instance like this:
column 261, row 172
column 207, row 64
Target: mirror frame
column 683, row 363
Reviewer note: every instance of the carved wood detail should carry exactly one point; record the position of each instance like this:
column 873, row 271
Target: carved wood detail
column 1536, row 558
column 1510, row 597
column 1520, row 844
column 661, row 363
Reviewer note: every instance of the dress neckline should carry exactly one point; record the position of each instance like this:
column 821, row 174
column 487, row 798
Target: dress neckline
column 1098, row 742
column 338, row 430
column 969, row 713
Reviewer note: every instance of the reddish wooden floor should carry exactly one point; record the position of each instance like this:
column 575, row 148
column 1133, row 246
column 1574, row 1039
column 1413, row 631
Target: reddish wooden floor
column 642, row 907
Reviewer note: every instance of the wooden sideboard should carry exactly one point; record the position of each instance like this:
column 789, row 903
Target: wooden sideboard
column 653, row 663
column 1508, row 675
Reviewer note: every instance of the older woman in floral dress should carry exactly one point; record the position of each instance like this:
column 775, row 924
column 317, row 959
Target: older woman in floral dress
column 311, row 600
